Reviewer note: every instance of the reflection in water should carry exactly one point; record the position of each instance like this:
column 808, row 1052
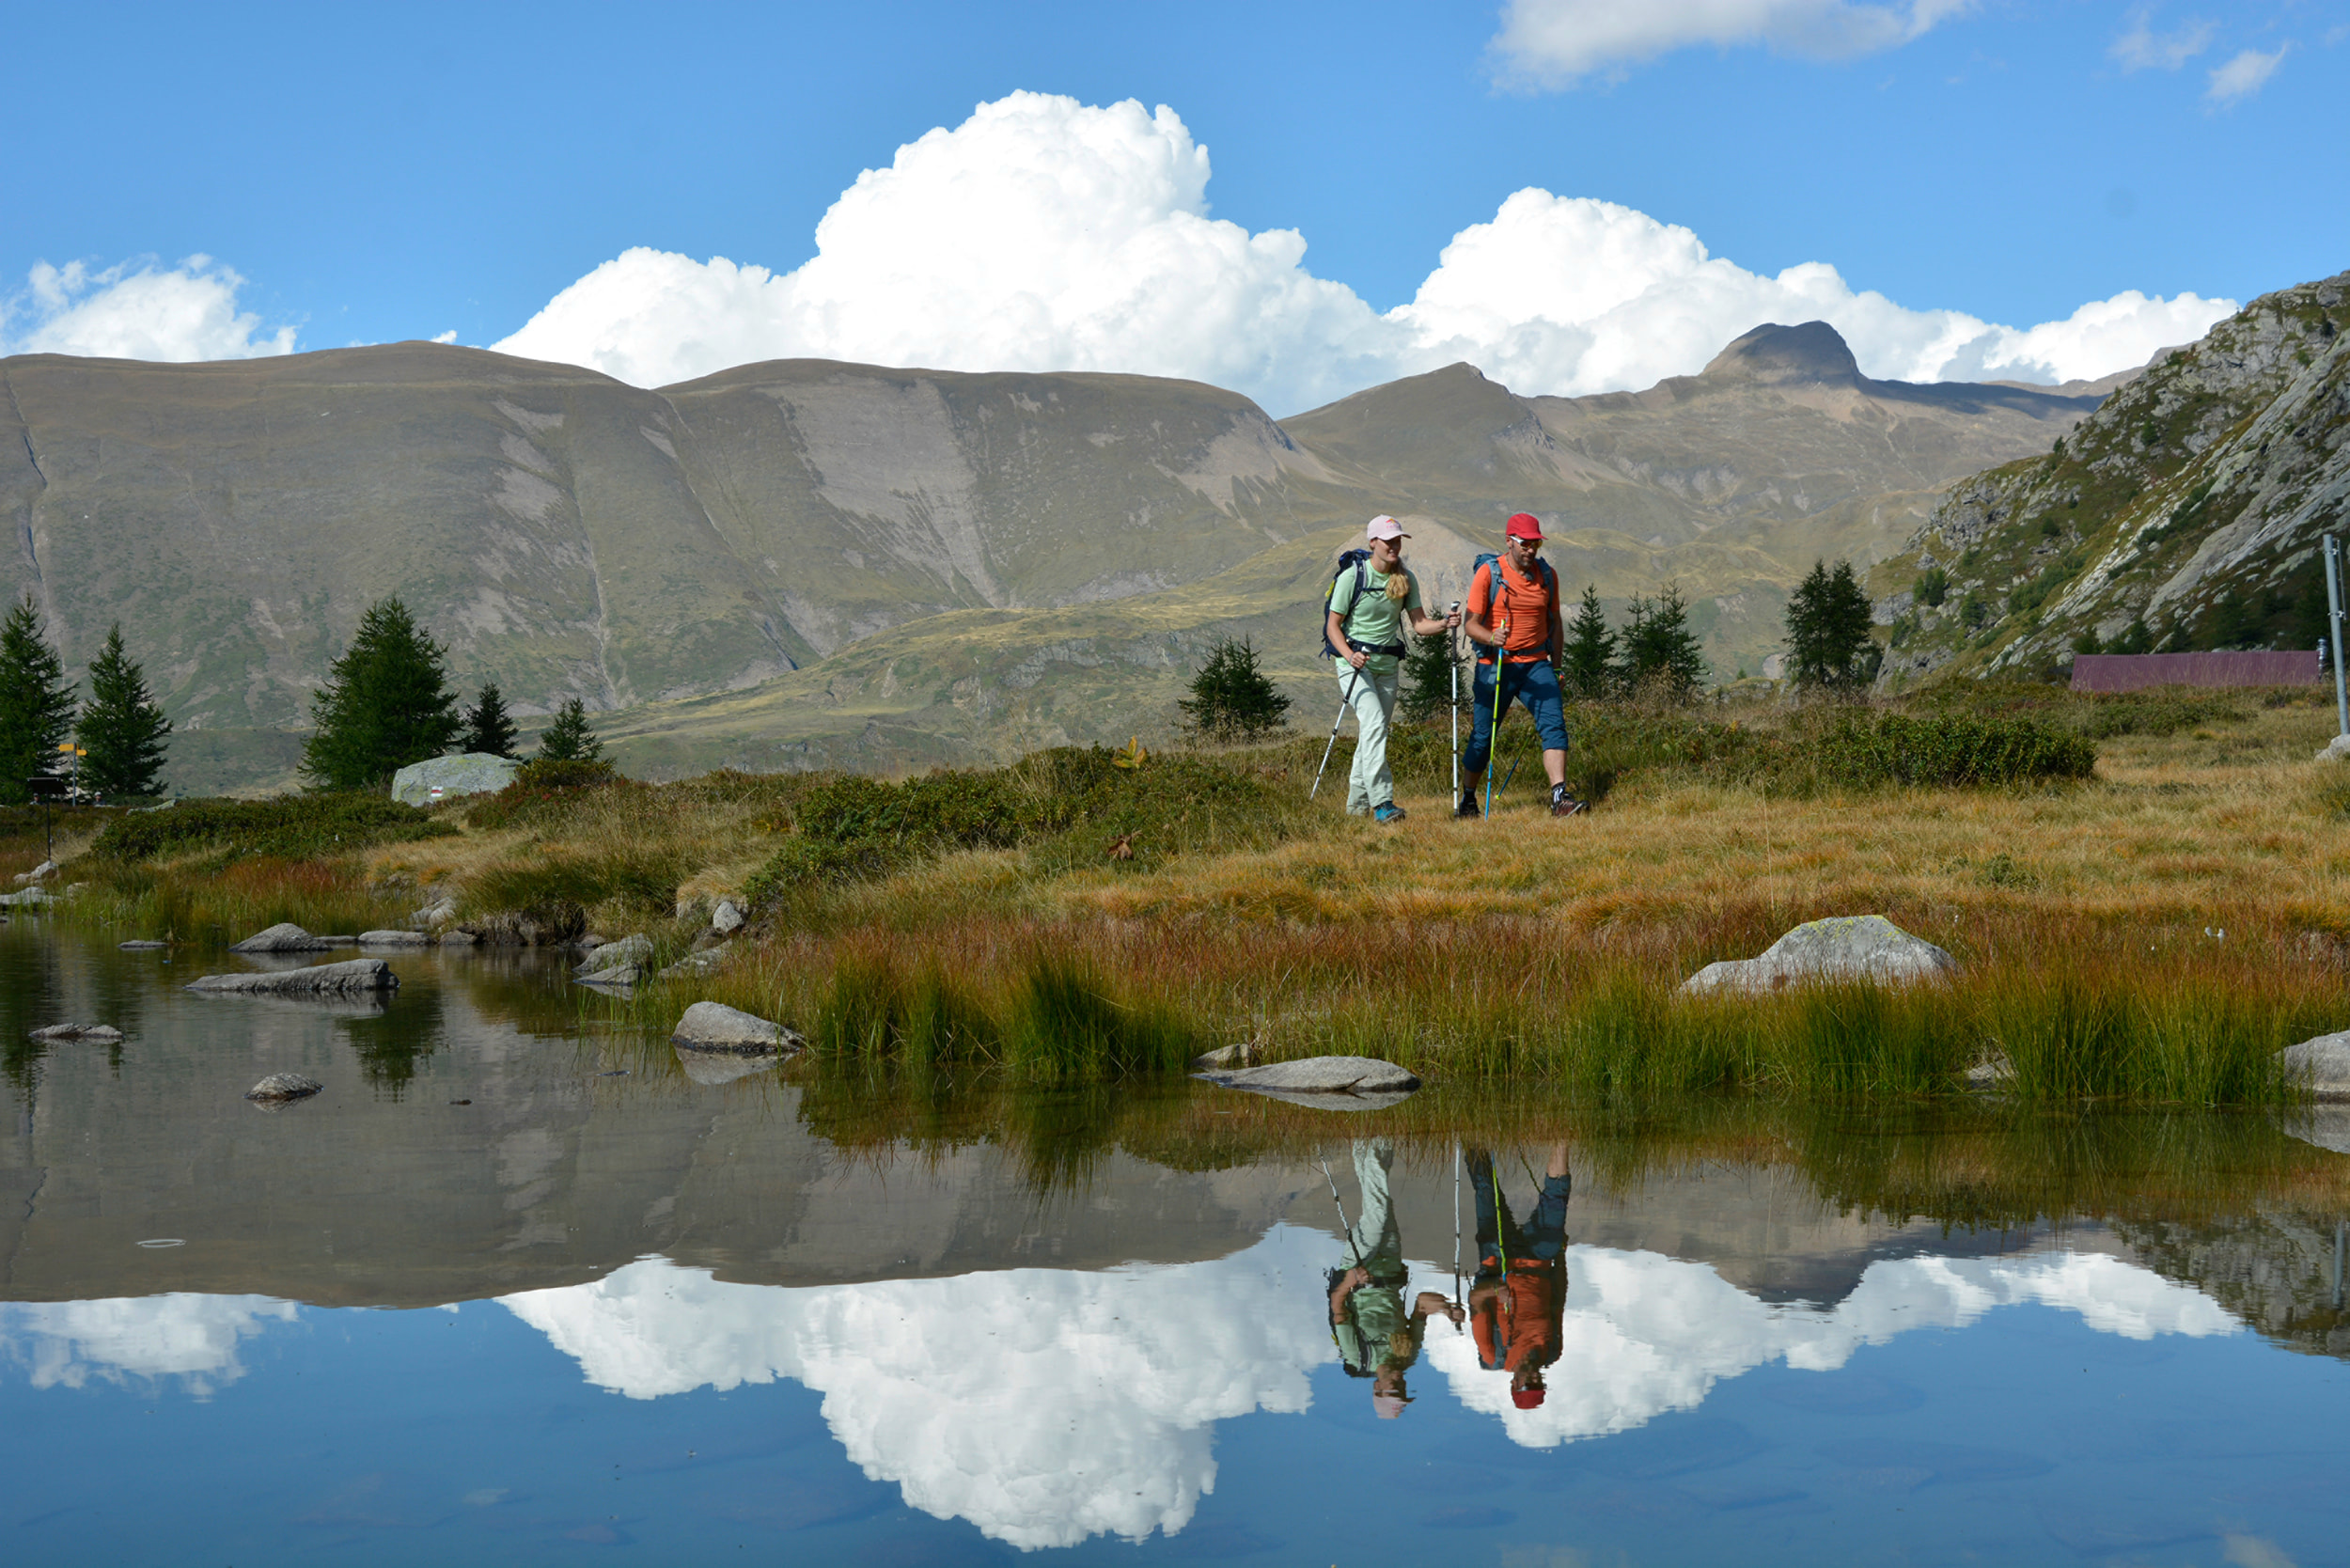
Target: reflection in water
column 1521, row 1290
column 1043, row 1406
column 1376, row 1338
column 183, row 1336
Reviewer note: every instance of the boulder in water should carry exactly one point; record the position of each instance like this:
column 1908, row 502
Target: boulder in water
column 318, row 980
column 724, row 1030
column 93, row 1034
column 279, row 1087
column 472, row 773
column 622, row 962
column 1341, row 1083
column 1841, row 948
column 283, row 937
column 393, row 939
column 2321, row 1065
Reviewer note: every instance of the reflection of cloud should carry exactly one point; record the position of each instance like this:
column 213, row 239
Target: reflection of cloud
column 1645, row 1334
column 1044, row 1405
column 66, row 1344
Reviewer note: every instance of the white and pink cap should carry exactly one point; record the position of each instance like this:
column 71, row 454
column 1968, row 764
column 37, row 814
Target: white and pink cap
column 1383, row 526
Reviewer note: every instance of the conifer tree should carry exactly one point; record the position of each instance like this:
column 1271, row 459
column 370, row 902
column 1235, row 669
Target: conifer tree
column 488, row 730
column 1588, row 666
column 1828, row 645
column 1426, row 677
column 123, row 729
column 386, row 703
column 570, row 739
column 36, row 703
column 1230, row 697
column 1660, row 653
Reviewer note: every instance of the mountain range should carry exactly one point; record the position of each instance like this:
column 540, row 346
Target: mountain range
column 806, row 563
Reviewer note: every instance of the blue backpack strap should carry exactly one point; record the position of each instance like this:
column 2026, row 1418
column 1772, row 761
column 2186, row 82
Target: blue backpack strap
column 1357, row 558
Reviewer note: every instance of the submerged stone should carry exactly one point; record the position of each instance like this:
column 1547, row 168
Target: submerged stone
column 353, row 973
column 94, row 1034
column 279, row 1087
column 1348, row 1081
column 393, row 939
column 141, row 947
column 1841, row 947
column 283, row 937
column 716, row 1027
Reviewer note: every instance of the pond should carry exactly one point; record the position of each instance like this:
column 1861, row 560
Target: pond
column 516, row 1288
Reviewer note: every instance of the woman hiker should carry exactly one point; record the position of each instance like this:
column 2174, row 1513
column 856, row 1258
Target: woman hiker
column 1513, row 600
column 1364, row 623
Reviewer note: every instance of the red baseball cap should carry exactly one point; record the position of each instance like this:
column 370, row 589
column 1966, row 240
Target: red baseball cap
column 1526, row 526
column 1525, row 1399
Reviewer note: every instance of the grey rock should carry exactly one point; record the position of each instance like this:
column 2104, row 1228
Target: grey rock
column 615, row 974
column 279, row 1087
column 2337, row 749
column 474, row 773
column 2327, row 1126
column 1995, row 1072
column 458, row 939
column 393, row 939
column 727, row 919
column 440, row 912
column 636, row 950
column 727, row 1030
column 1239, row 1055
column 41, row 873
column 1841, row 947
column 337, row 941
column 694, row 966
column 32, row 898
column 318, row 980
column 1321, row 1077
column 284, row 937
column 141, row 946
column 2321, row 1065
column 92, row 1034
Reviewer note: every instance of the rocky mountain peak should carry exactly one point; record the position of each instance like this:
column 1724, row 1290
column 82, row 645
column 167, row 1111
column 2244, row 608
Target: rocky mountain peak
column 1775, row 356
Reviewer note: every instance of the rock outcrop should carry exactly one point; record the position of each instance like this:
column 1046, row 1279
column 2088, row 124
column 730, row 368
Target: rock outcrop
column 471, row 772
column 355, row 974
column 1841, row 948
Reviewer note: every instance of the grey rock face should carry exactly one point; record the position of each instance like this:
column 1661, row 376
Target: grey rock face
column 716, row 1027
column 279, row 1087
column 393, row 939
column 1321, row 1075
column 726, row 918
column 2322, row 1065
column 634, row 951
column 284, row 937
column 93, row 1034
column 1841, row 947
column 320, row 979
column 475, row 772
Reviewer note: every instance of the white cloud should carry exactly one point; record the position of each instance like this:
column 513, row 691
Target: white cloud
column 1044, row 235
column 2245, row 75
column 448, row 337
column 192, row 1338
column 1554, row 43
column 2142, row 49
column 181, row 313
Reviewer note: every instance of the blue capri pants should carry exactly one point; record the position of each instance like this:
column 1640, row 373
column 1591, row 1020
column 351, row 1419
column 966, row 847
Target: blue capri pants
column 1532, row 682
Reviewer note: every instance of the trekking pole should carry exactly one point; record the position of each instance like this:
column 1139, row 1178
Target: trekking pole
column 1492, row 736
column 1344, row 1229
column 1452, row 652
column 1344, row 703
column 1456, row 1226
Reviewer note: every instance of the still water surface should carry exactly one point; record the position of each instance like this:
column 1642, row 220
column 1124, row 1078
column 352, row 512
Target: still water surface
column 516, row 1288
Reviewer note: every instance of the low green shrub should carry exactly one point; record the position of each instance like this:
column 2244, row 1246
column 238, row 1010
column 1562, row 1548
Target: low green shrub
column 644, row 878
column 542, row 791
column 291, row 826
column 1955, row 751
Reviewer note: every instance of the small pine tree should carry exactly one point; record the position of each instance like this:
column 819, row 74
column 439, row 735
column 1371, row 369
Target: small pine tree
column 36, row 703
column 123, row 729
column 1230, row 697
column 570, row 739
column 1660, row 653
column 488, row 730
column 386, row 703
column 1428, row 677
column 1828, row 645
column 1590, row 657
column 2135, row 638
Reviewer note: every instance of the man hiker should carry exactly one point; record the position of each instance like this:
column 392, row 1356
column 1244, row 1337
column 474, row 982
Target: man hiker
column 1518, row 1303
column 1376, row 1338
column 1364, row 625
column 1513, row 615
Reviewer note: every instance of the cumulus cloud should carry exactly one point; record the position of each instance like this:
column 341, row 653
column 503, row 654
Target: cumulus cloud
column 2142, row 49
column 1554, row 43
column 2245, row 75
column 1043, row 234
column 137, row 311
column 192, row 1338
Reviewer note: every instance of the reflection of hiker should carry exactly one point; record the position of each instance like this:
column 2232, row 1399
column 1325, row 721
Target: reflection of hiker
column 1364, row 627
column 1514, row 612
column 1376, row 1338
column 1520, row 1295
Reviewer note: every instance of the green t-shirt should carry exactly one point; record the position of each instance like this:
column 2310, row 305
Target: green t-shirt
column 1372, row 617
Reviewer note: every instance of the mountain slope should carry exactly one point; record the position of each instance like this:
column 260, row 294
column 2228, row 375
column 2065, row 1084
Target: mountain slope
column 2185, row 514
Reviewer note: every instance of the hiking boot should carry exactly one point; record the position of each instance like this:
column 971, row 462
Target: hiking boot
column 1468, row 809
column 1563, row 804
column 1386, row 815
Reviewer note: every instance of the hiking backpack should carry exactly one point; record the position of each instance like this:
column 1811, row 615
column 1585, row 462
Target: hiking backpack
column 1542, row 568
column 1352, row 560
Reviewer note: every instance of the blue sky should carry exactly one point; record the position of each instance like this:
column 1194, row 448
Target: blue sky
column 374, row 174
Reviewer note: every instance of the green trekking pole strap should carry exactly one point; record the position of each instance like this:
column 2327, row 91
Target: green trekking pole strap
column 1493, row 738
